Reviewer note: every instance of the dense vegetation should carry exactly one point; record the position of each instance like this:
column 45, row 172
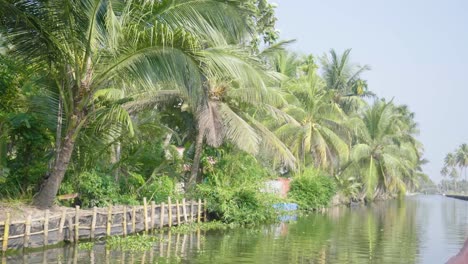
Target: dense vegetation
column 119, row 100
column 455, row 171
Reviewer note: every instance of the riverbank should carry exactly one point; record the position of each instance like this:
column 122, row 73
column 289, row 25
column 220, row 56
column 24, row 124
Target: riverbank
column 27, row 227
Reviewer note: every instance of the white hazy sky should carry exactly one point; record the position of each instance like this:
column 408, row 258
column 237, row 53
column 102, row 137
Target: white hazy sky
column 418, row 51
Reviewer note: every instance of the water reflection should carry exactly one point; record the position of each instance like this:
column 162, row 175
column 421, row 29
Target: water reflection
column 424, row 229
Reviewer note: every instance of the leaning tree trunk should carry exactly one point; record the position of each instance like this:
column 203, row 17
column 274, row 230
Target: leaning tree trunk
column 196, row 160
column 49, row 189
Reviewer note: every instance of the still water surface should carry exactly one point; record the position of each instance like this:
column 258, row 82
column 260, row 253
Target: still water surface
column 418, row 229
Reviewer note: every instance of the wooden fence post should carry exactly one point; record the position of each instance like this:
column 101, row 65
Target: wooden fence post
column 192, row 217
column 161, row 216
column 133, row 219
column 153, row 221
column 124, row 222
column 46, row 228
column 184, row 210
column 205, row 214
column 145, row 214
column 93, row 223
column 6, row 232
column 169, row 207
column 178, row 212
column 63, row 217
column 27, row 231
column 77, row 223
column 109, row 220
column 199, row 211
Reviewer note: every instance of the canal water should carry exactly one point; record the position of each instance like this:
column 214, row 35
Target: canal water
column 417, row 229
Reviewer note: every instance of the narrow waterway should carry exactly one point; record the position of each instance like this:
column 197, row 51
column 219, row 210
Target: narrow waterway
column 418, row 229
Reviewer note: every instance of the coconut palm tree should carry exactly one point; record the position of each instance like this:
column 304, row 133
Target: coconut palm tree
column 381, row 156
column 344, row 79
column 236, row 83
column 85, row 46
column 462, row 158
column 313, row 124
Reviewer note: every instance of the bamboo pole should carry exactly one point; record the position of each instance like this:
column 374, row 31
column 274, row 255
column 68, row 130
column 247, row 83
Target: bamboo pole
column 77, row 223
column 145, row 214
column 62, row 223
column 169, row 207
column 153, row 220
column 27, row 231
column 124, row 222
column 133, row 219
column 93, row 223
column 205, row 214
column 192, row 217
column 199, row 211
column 161, row 216
column 109, row 220
column 6, row 232
column 46, row 228
column 184, row 210
column 178, row 212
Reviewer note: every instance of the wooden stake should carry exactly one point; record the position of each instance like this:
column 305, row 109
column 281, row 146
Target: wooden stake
column 46, row 228
column 6, row 232
column 124, row 221
column 133, row 219
column 153, row 220
column 184, row 210
column 93, row 222
column 205, row 214
column 178, row 212
column 169, row 207
column 145, row 214
column 27, row 231
column 199, row 211
column 63, row 217
column 192, row 217
column 109, row 220
column 77, row 223
column 161, row 216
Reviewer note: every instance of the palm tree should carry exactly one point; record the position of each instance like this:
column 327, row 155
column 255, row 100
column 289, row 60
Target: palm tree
column 235, row 84
column 313, row 125
column 344, row 79
column 85, row 46
column 462, row 158
column 381, row 156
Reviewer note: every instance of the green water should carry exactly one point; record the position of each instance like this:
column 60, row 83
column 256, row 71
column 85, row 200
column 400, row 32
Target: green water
column 418, row 229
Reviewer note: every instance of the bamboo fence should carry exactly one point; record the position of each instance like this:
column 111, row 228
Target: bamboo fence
column 77, row 224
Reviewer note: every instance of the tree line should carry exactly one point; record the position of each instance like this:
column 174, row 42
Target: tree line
column 108, row 97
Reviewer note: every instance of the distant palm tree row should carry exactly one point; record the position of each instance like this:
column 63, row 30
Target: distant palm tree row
column 193, row 72
column 456, row 163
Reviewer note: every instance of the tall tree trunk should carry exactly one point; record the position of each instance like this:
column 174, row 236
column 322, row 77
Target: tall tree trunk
column 49, row 189
column 196, row 160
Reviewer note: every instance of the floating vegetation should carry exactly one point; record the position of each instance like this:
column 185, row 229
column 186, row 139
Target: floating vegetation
column 132, row 243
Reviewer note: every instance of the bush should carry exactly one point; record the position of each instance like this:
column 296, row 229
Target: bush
column 158, row 190
column 232, row 187
column 312, row 189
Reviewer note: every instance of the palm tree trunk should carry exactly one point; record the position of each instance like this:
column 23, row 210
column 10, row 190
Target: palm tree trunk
column 196, row 160
column 49, row 189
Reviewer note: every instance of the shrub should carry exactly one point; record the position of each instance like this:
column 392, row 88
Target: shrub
column 231, row 188
column 312, row 189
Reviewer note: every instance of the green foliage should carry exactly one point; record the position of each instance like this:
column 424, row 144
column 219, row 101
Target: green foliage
column 312, row 189
column 232, row 190
column 159, row 189
column 134, row 243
